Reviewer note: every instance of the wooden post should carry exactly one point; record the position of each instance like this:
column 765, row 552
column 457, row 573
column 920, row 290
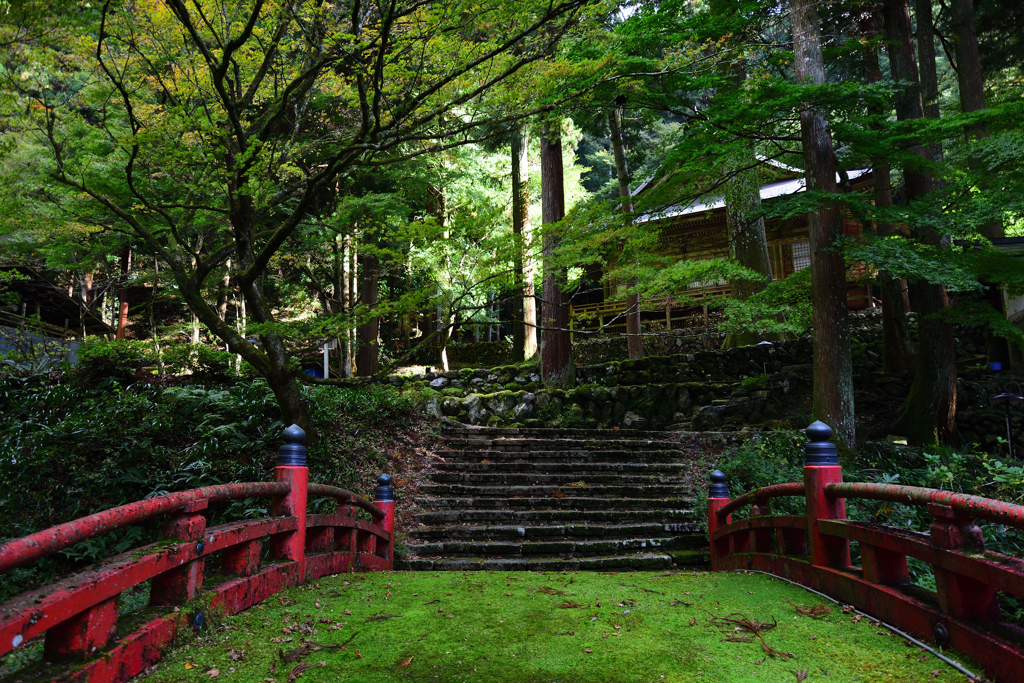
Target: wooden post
column 718, row 496
column 384, row 498
column 181, row 584
column 961, row 596
column 291, row 468
column 83, row 634
column 821, row 467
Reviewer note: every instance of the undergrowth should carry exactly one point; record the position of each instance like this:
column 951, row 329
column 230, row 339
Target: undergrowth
column 69, row 448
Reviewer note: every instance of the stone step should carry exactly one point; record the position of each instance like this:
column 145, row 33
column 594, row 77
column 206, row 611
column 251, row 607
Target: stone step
column 531, row 532
column 567, row 503
column 513, row 445
column 548, row 432
column 579, row 469
column 566, row 456
column 630, row 562
column 575, row 547
column 567, row 491
column 524, row 479
column 556, row 517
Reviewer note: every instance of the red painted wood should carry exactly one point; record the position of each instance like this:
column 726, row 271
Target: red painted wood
column 83, row 634
column 762, row 494
column 967, row 576
column 346, row 498
column 972, row 507
column 719, row 548
column 1003, row 659
column 242, row 559
column 30, row 614
column 386, row 549
column 79, row 613
column 1004, row 572
column 960, row 595
column 827, row 551
column 179, row 585
column 48, row 541
column 882, row 566
column 291, row 545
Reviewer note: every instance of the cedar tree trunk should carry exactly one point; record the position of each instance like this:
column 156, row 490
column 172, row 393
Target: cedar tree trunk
column 897, row 349
column 555, row 341
column 929, row 414
column 833, row 365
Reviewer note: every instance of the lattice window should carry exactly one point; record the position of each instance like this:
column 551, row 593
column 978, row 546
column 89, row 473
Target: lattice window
column 801, row 255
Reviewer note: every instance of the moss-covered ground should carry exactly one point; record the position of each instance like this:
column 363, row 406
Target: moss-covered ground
column 545, row 627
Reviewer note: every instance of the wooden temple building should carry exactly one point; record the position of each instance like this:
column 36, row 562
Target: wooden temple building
column 697, row 231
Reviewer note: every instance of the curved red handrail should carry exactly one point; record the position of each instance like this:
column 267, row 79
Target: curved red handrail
column 48, row 541
column 343, row 496
column 975, row 507
column 760, row 495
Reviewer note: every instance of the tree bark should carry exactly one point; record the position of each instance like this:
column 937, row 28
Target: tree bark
column 833, row 364
column 122, row 318
column 972, row 98
column 897, row 349
column 929, row 413
column 555, row 341
column 521, row 329
column 634, row 342
column 367, row 355
column 224, row 293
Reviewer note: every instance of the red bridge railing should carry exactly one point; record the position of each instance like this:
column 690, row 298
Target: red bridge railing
column 814, row 550
column 78, row 616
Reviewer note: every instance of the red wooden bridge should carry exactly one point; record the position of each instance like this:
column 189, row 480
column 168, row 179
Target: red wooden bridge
column 814, row 550
column 79, row 614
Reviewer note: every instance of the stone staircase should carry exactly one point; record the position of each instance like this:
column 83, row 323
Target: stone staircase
column 561, row 499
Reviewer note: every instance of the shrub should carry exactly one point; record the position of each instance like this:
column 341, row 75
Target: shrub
column 100, row 360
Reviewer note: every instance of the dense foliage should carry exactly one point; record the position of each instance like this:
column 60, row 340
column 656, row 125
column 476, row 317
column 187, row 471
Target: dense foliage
column 72, row 444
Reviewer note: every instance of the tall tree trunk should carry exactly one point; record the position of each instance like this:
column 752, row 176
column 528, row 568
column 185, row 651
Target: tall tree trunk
column 897, row 349
column 833, row 364
column 366, row 359
column 634, row 342
column 152, row 318
column 555, row 341
column 353, row 295
column 224, row 293
column 126, row 266
column 520, row 228
column 929, row 413
column 972, row 98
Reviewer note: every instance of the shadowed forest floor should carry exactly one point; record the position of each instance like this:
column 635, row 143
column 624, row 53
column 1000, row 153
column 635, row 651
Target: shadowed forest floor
column 552, row 627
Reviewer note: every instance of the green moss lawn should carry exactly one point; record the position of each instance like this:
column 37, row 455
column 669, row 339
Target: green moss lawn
column 544, row 628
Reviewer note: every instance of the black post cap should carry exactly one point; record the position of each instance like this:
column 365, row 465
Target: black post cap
column 717, row 487
column 819, row 451
column 385, row 490
column 292, row 453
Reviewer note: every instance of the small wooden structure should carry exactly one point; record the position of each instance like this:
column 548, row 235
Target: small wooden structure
column 698, row 232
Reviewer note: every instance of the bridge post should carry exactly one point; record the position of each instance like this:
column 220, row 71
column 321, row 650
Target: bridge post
column 181, row 584
column 384, row 498
column 718, row 497
column 291, row 468
column 821, row 467
column 959, row 595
